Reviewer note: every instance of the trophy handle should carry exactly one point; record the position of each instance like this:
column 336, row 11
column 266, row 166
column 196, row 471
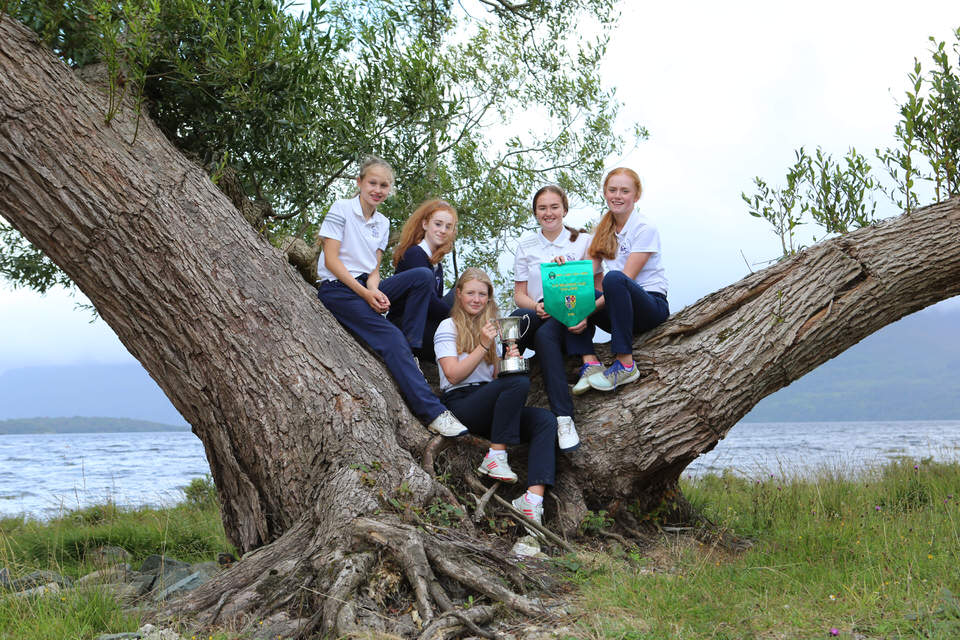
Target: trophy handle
column 524, row 331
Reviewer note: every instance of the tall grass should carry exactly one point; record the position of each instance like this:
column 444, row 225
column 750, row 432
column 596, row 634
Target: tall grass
column 871, row 557
column 191, row 531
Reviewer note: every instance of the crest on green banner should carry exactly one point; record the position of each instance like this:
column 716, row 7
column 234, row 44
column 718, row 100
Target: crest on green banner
column 568, row 290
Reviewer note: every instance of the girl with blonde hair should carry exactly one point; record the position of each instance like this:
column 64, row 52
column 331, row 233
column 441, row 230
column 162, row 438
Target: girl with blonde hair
column 490, row 406
column 354, row 236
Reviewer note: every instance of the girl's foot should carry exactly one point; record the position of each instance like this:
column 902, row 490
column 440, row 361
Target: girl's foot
column 586, row 370
column 497, row 467
column 616, row 375
column 567, row 437
column 446, row 424
column 530, row 510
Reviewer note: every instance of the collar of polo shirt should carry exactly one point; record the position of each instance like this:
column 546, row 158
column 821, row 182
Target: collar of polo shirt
column 561, row 240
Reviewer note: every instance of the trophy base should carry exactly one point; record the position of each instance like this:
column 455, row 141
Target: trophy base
column 509, row 366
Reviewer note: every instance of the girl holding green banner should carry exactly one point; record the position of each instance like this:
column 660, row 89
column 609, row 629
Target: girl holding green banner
column 552, row 334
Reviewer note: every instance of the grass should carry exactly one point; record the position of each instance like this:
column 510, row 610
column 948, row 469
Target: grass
column 190, row 531
column 872, row 557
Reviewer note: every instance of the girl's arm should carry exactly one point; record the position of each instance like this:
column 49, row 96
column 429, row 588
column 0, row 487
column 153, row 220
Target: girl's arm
column 456, row 370
column 521, row 297
column 633, row 266
column 331, row 260
column 635, row 263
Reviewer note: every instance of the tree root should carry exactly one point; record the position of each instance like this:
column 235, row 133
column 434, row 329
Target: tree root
column 416, row 552
column 451, row 623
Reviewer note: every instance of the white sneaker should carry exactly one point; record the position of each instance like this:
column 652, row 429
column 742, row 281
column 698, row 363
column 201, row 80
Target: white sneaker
column 586, row 371
column 496, row 468
column 532, row 511
column 567, row 436
column 446, row 424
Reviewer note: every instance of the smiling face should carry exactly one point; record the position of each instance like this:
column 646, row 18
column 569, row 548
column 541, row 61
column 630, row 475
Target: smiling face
column 549, row 211
column 438, row 228
column 473, row 296
column 621, row 193
column 374, row 188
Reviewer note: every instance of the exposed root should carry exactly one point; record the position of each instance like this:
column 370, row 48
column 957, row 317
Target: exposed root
column 354, row 571
column 417, row 552
column 482, row 502
column 452, row 623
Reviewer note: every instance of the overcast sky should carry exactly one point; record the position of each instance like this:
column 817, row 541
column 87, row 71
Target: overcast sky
column 727, row 90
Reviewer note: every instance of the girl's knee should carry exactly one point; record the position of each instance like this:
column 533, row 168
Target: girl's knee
column 614, row 278
column 518, row 382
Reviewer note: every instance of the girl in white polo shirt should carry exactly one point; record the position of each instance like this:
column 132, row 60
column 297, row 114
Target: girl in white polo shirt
column 554, row 241
column 634, row 296
column 354, row 237
column 492, row 407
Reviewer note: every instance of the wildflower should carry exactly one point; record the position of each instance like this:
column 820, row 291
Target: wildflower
column 929, row 556
column 833, row 597
column 834, row 631
column 916, row 466
column 877, row 507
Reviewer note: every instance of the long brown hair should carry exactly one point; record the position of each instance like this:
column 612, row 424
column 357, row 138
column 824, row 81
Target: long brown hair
column 413, row 231
column 468, row 327
column 555, row 189
column 604, row 243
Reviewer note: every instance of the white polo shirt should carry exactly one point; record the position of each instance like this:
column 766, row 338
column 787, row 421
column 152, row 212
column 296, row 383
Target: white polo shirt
column 640, row 236
column 445, row 346
column 534, row 249
column 360, row 239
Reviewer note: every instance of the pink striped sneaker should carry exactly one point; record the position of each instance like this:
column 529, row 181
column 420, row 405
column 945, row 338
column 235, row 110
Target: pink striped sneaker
column 496, row 469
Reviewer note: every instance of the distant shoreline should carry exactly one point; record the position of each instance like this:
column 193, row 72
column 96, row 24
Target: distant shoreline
column 83, row 424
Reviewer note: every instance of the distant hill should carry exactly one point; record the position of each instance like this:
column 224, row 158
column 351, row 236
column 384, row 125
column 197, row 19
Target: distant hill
column 83, row 425
column 121, row 391
column 909, row 370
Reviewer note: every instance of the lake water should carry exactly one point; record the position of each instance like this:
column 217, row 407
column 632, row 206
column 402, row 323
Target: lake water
column 46, row 474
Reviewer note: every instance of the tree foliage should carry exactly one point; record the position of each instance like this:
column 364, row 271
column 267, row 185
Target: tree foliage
column 837, row 196
column 478, row 103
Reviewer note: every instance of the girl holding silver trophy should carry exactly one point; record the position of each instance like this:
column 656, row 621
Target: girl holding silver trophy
column 492, row 405
column 354, row 236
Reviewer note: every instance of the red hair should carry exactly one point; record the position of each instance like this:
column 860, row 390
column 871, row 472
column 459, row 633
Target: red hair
column 413, row 231
column 604, row 243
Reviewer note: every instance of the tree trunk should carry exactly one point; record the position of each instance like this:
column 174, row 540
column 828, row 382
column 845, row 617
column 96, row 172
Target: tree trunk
column 316, row 458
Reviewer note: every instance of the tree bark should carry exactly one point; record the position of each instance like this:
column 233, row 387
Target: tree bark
column 309, row 443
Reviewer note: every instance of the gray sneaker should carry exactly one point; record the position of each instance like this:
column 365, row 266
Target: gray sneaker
column 615, row 376
column 586, row 371
column 446, row 424
column 567, row 437
column 497, row 469
column 532, row 511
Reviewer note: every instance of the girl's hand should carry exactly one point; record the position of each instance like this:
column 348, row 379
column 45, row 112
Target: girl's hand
column 378, row 300
column 580, row 327
column 542, row 312
column 512, row 352
column 560, row 259
column 489, row 332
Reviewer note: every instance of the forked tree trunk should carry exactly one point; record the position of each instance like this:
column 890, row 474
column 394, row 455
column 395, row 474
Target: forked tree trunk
column 309, row 443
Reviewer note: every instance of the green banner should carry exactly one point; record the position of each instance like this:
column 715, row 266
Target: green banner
column 568, row 290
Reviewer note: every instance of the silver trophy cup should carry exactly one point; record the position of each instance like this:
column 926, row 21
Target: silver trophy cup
column 509, row 332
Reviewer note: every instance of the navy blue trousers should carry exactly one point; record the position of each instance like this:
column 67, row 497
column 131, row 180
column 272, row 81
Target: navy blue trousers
column 389, row 342
column 496, row 411
column 628, row 310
